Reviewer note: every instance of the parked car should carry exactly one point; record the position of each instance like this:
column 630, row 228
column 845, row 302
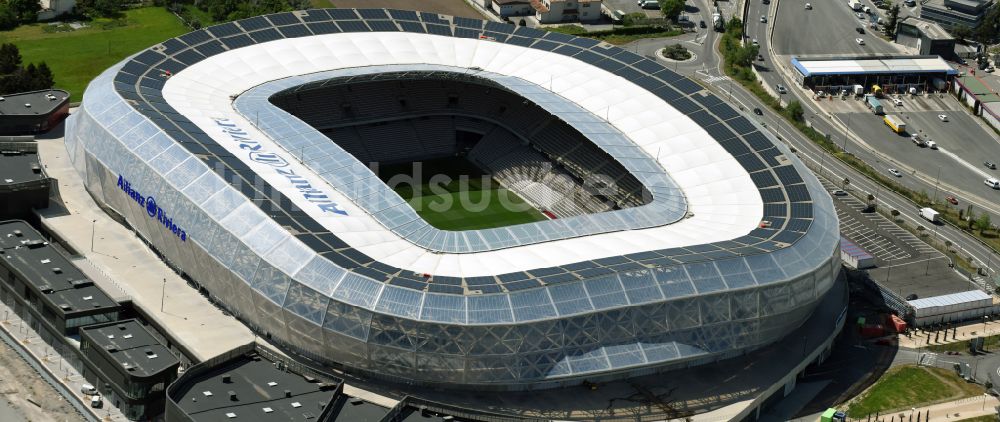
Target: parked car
column 781, row 89
column 838, row 192
column 760, row 57
column 952, row 200
column 943, row 117
column 702, row 24
column 763, row 19
column 895, row 172
column 860, row 30
column 755, row 42
column 860, row 41
column 761, row 113
column 897, row 102
column 990, row 165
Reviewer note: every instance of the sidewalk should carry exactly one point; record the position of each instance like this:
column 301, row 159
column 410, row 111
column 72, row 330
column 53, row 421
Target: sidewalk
column 962, row 333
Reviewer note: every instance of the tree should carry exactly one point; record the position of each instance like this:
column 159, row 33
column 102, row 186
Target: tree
column 797, row 113
column 25, row 10
column 983, row 222
column 671, row 9
column 44, row 79
column 8, row 19
column 961, row 32
column 10, row 58
column 100, row 8
column 892, row 18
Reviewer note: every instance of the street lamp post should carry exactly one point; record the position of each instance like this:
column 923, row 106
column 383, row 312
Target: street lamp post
column 93, row 232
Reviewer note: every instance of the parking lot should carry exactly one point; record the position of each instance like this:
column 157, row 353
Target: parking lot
column 889, row 243
column 904, row 263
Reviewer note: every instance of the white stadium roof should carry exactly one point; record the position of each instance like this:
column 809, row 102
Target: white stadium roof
column 723, row 202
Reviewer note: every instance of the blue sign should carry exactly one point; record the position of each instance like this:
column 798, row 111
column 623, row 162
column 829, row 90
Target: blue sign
column 152, row 209
column 257, row 154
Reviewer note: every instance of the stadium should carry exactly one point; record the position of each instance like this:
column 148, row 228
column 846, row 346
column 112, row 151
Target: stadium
column 648, row 226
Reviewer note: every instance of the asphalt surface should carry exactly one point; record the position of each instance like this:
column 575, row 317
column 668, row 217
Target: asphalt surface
column 829, row 28
column 963, row 147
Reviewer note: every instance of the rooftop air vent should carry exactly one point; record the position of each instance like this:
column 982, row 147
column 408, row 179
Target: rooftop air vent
column 65, row 307
column 207, row 393
column 230, row 415
column 79, row 284
column 46, row 261
column 111, row 349
column 288, row 394
column 46, row 289
column 18, row 233
column 271, row 383
column 127, row 336
column 88, row 298
column 232, row 395
column 267, row 410
column 120, row 327
column 227, row 379
column 27, row 105
column 356, row 401
column 57, row 270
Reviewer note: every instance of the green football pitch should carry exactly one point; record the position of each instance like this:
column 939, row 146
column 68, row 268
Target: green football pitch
column 445, row 201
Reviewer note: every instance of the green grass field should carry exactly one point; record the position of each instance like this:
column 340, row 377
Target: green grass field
column 78, row 56
column 911, row 386
column 476, row 204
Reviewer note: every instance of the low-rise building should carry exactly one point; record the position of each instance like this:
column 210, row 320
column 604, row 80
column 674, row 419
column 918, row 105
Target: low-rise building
column 558, row 11
column 952, row 13
column 927, row 37
column 252, row 384
column 44, row 288
column 52, row 9
column 32, row 112
column 24, row 186
column 510, row 8
column 128, row 366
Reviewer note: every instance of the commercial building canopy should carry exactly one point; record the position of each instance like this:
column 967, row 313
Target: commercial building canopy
column 815, row 66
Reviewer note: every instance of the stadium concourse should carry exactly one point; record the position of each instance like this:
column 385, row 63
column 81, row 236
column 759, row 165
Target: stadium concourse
column 684, row 234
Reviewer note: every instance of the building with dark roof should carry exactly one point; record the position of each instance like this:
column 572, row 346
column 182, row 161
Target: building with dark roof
column 32, row 112
column 129, row 366
column 952, row 13
column 45, row 287
column 24, row 186
column 927, row 37
column 251, row 384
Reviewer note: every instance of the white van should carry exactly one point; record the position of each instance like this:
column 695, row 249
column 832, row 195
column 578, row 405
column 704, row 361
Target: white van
column 88, row 389
column 992, row 182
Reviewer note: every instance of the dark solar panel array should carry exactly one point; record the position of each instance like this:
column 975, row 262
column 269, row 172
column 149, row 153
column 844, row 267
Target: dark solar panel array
column 787, row 205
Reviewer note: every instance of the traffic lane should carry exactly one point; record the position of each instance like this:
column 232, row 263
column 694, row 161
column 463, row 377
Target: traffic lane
column 960, row 135
column 908, row 156
column 833, row 169
column 829, row 28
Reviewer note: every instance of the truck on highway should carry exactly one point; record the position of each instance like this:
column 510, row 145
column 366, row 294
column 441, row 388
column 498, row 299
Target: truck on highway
column 929, row 214
column 717, row 22
column 859, row 90
column 855, row 5
column 919, row 140
column 877, row 91
column 894, row 123
column 874, row 104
